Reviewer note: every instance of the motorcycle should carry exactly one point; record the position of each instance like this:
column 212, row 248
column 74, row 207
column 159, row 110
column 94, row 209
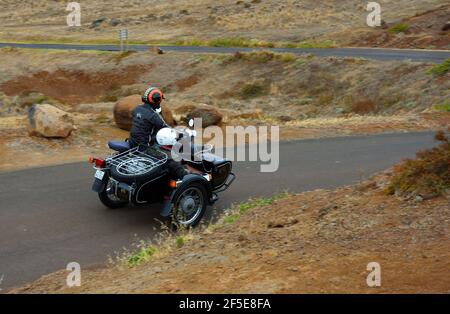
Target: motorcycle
column 133, row 176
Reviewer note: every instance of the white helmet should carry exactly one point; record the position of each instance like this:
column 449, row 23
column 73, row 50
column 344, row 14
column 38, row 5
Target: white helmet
column 167, row 137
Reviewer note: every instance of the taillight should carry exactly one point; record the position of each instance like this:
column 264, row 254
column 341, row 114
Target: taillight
column 99, row 163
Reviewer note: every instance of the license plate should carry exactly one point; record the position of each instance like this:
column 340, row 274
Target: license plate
column 99, row 174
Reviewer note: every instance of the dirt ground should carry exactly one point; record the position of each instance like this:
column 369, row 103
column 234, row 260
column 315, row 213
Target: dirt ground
column 314, row 242
column 343, row 22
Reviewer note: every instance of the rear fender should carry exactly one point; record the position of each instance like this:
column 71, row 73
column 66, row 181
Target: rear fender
column 187, row 179
column 99, row 185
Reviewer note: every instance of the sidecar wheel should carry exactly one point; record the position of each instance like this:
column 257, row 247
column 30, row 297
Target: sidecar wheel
column 189, row 206
column 110, row 200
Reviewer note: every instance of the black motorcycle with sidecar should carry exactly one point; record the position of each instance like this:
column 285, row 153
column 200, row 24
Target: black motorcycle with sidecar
column 133, row 176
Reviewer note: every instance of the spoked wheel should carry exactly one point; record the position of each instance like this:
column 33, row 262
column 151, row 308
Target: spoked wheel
column 109, row 199
column 189, row 206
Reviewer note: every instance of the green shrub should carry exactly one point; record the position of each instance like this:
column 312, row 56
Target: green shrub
column 428, row 174
column 252, row 90
column 230, row 219
column 440, row 69
column 143, row 255
column 180, row 241
column 399, row 28
column 443, row 107
column 242, row 208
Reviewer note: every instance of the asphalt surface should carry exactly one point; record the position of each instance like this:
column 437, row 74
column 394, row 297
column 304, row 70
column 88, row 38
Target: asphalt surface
column 368, row 53
column 50, row 217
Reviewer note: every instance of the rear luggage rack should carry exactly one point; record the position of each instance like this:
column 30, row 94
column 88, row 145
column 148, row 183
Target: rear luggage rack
column 136, row 162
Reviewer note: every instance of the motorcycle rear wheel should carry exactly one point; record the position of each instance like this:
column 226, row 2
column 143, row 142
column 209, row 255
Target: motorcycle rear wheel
column 109, row 199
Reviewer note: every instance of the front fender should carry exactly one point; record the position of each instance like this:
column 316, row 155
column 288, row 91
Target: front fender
column 187, row 179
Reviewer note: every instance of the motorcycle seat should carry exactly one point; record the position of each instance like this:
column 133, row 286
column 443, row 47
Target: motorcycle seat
column 119, row 146
column 214, row 159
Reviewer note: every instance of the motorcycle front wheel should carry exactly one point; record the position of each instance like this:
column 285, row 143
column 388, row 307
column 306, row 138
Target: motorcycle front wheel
column 189, row 206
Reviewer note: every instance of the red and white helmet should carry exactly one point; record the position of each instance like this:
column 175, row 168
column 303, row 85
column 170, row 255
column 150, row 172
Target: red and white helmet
column 153, row 96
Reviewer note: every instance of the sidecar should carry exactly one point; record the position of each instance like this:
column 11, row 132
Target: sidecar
column 132, row 176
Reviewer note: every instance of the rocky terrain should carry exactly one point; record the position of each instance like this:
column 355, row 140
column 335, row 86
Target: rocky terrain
column 230, row 22
column 307, row 96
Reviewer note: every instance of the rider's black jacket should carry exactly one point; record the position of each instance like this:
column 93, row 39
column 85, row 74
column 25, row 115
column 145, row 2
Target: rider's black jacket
column 146, row 123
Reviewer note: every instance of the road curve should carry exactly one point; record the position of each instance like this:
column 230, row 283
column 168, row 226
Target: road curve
column 368, row 53
column 49, row 216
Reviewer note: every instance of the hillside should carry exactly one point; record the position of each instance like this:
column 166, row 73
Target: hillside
column 174, row 21
column 307, row 96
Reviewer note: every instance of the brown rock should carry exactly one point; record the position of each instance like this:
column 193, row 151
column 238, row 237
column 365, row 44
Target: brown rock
column 156, row 50
column 282, row 223
column 49, row 121
column 123, row 110
column 209, row 114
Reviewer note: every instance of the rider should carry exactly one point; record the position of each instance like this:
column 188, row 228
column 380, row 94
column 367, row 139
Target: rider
column 147, row 121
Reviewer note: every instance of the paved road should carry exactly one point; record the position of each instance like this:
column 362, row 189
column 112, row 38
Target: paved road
column 49, row 217
column 369, row 53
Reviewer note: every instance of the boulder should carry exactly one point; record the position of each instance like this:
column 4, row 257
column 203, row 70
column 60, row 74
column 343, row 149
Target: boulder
column 123, row 110
column 209, row 114
column 156, row 50
column 49, row 121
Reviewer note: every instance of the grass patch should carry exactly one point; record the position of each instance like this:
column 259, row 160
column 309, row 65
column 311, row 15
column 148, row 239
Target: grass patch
column 216, row 42
column 399, row 28
column 252, row 43
column 440, row 69
column 262, row 56
column 236, row 211
column 427, row 175
column 141, row 256
column 86, row 131
column 122, row 55
column 308, row 44
column 443, row 107
column 252, row 90
column 168, row 242
column 102, row 118
column 180, row 241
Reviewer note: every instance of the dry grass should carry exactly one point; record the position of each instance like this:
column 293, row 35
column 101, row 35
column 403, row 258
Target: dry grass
column 255, row 24
column 426, row 176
